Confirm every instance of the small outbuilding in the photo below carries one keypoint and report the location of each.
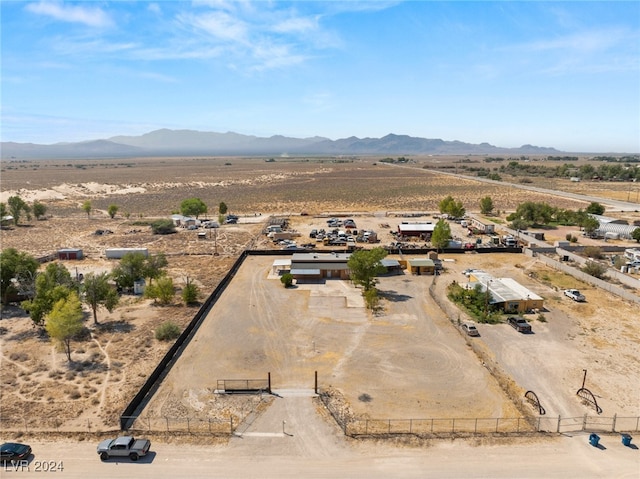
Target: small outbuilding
(69, 253)
(419, 230)
(420, 266)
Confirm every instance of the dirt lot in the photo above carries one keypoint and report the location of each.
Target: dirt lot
(344, 344)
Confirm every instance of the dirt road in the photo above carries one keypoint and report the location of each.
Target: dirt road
(274, 455)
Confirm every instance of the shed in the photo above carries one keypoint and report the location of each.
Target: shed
(422, 230)
(421, 266)
(281, 266)
(392, 266)
(70, 253)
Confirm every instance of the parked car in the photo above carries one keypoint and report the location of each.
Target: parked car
(124, 446)
(520, 324)
(575, 295)
(14, 451)
(313, 233)
(470, 329)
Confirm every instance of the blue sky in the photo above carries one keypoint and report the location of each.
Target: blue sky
(560, 74)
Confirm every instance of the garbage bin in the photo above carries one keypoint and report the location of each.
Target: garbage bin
(626, 439)
(594, 439)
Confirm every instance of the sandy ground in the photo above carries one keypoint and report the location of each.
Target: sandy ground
(110, 365)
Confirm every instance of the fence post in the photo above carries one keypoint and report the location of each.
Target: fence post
(538, 428)
(188, 426)
(475, 427)
(26, 429)
(431, 425)
(497, 422)
(584, 422)
(230, 424)
(453, 425)
(389, 426)
(167, 419)
(366, 426)
(558, 429)
(410, 426)
(613, 426)
(518, 425)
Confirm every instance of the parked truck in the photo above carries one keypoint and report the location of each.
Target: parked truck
(575, 295)
(124, 446)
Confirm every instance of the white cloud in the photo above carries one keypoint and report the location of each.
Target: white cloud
(90, 16)
(218, 24)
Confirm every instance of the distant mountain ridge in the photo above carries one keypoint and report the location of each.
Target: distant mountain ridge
(167, 142)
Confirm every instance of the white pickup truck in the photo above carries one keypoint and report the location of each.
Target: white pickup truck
(575, 295)
(124, 446)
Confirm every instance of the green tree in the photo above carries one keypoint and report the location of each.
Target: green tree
(590, 224)
(287, 280)
(161, 291)
(17, 206)
(636, 234)
(39, 209)
(163, 227)
(486, 205)
(86, 207)
(64, 322)
(222, 208)
(451, 207)
(519, 224)
(154, 266)
(533, 213)
(52, 285)
(3, 210)
(17, 273)
(112, 210)
(193, 207)
(441, 235)
(190, 293)
(365, 265)
(445, 203)
(98, 292)
(130, 269)
(595, 208)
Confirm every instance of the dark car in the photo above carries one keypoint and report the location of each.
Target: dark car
(14, 451)
(519, 324)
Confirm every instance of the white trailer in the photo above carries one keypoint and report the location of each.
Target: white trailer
(118, 253)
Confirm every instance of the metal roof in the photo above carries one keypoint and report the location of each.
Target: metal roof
(320, 257)
(501, 289)
(421, 262)
(426, 227)
(305, 272)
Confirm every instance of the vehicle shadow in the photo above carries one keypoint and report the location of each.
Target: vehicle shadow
(394, 296)
(146, 459)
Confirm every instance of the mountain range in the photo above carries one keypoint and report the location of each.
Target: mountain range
(167, 142)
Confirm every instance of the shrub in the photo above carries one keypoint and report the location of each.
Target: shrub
(595, 269)
(594, 252)
(287, 279)
(163, 227)
(167, 331)
(190, 293)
